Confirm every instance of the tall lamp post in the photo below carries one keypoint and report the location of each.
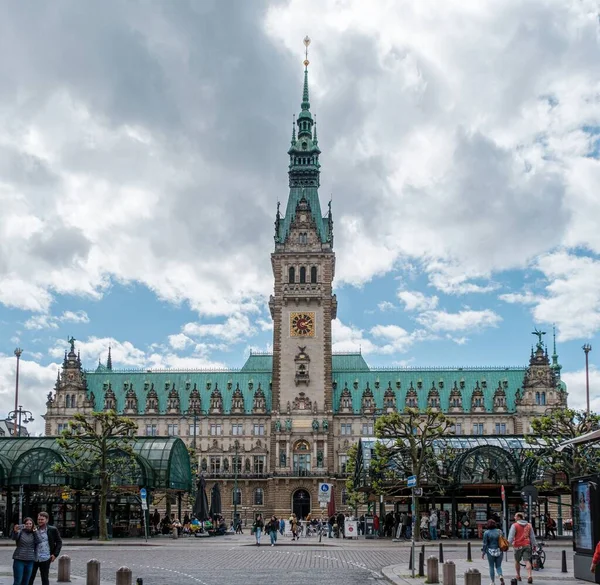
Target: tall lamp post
(235, 483)
(21, 417)
(586, 349)
(18, 353)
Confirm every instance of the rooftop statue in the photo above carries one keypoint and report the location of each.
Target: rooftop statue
(539, 334)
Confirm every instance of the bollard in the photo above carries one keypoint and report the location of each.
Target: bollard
(124, 576)
(421, 565)
(410, 560)
(64, 569)
(564, 562)
(472, 577)
(174, 533)
(514, 581)
(449, 573)
(139, 581)
(93, 572)
(469, 557)
(441, 555)
(423, 550)
(433, 570)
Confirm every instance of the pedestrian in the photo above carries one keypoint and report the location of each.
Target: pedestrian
(522, 537)
(155, 520)
(550, 527)
(27, 540)
(491, 549)
(330, 524)
(465, 523)
(89, 526)
(424, 526)
(258, 528)
(272, 529)
(48, 548)
(595, 558)
(281, 526)
(238, 527)
(294, 526)
(433, 523)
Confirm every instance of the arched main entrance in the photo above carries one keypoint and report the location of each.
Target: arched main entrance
(301, 504)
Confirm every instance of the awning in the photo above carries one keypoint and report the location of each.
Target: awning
(587, 438)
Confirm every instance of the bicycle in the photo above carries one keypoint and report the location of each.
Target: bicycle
(538, 557)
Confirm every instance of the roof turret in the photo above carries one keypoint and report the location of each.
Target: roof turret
(555, 365)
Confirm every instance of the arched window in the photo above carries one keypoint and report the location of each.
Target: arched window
(292, 275)
(313, 274)
(68, 401)
(236, 496)
(259, 495)
(543, 399)
(302, 275)
(537, 398)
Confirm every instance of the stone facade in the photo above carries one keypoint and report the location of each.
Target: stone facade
(284, 422)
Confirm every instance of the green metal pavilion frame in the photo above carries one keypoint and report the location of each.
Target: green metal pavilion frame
(161, 463)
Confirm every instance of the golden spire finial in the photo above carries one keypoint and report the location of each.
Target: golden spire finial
(306, 42)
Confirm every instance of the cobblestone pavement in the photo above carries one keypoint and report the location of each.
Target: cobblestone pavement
(207, 562)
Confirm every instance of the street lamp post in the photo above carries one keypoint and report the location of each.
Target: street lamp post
(586, 349)
(18, 353)
(21, 417)
(235, 483)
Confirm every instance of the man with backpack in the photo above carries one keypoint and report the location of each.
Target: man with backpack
(522, 537)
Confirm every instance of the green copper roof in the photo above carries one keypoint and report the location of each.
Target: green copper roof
(488, 379)
(183, 381)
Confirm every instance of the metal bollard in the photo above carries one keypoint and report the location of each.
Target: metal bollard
(93, 572)
(433, 571)
(441, 555)
(472, 577)
(421, 565)
(124, 576)
(564, 562)
(449, 573)
(64, 569)
(139, 581)
(410, 560)
(469, 557)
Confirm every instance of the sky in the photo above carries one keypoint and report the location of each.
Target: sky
(143, 149)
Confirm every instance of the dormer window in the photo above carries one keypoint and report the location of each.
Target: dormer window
(304, 146)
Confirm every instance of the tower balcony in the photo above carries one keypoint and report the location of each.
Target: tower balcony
(307, 289)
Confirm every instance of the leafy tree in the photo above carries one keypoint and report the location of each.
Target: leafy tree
(549, 431)
(354, 497)
(99, 449)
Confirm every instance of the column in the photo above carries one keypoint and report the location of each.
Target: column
(276, 454)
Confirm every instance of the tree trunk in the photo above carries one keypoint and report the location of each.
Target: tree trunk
(104, 490)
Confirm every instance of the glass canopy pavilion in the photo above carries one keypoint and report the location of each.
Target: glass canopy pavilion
(28, 481)
(473, 470)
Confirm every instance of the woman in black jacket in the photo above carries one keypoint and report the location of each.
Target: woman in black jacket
(27, 540)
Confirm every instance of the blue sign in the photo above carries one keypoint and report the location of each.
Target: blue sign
(143, 493)
(324, 487)
(411, 481)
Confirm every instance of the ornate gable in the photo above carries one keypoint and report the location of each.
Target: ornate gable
(131, 400)
(151, 401)
(346, 400)
(110, 400)
(368, 401)
(259, 405)
(433, 398)
(302, 402)
(500, 399)
(477, 399)
(389, 399)
(173, 402)
(195, 402)
(237, 401)
(216, 401)
(456, 402)
(412, 400)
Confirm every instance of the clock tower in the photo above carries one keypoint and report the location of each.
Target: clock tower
(302, 308)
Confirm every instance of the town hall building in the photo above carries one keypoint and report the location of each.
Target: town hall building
(285, 421)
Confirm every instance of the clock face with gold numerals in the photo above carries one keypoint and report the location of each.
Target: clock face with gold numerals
(302, 324)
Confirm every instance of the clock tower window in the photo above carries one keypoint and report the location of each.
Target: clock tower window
(302, 275)
(313, 275)
(292, 275)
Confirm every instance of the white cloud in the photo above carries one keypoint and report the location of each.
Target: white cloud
(526, 298)
(466, 320)
(384, 306)
(395, 339)
(347, 338)
(124, 353)
(51, 322)
(417, 301)
(35, 382)
(179, 341)
(572, 298)
(235, 328)
(575, 381)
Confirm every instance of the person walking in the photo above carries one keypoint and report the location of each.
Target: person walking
(48, 548)
(272, 529)
(465, 523)
(27, 539)
(550, 527)
(433, 523)
(522, 537)
(258, 528)
(491, 549)
(294, 526)
(89, 526)
(281, 526)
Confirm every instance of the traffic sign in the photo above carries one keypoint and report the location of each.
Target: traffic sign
(325, 493)
(411, 481)
(144, 505)
(530, 491)
(418, 492)
(143, 493)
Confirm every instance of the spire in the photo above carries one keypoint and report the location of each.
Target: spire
(315, 139)
(555, 365)
(109, 360)
(294, 130)
(305, 98)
